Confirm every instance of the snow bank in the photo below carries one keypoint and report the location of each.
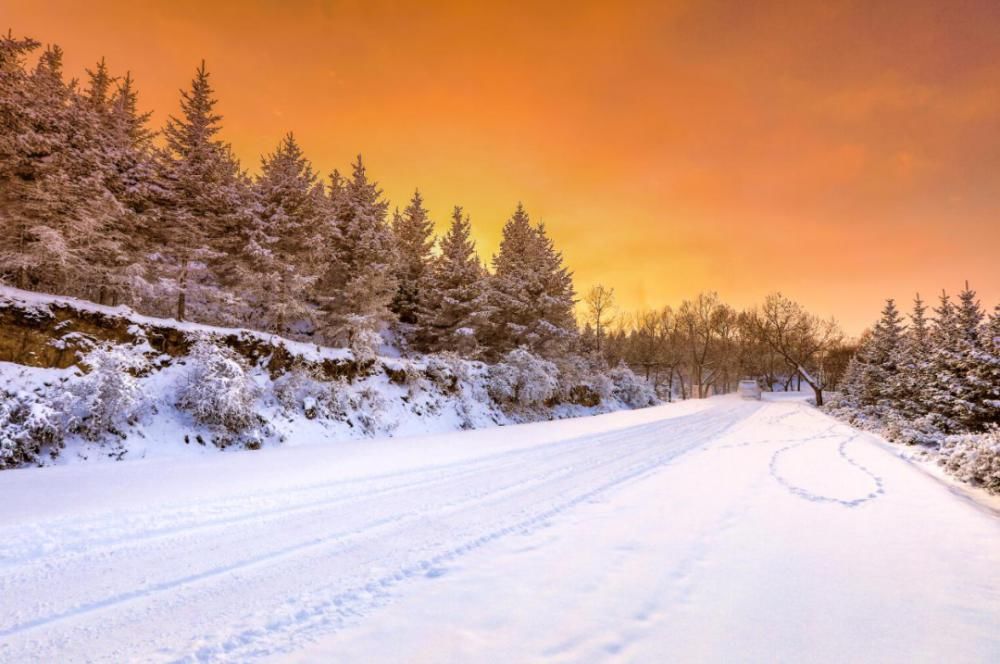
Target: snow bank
(118, 388)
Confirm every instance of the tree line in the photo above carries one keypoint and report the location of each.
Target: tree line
(94, 203)
(929, 377)
(705, 346)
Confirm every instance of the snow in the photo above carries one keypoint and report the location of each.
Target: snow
(714, 530)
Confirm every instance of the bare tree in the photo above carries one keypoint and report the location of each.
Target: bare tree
(696, 318)
(803, 340)
(600, 302)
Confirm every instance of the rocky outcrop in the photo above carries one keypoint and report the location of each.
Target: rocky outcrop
(55, 333)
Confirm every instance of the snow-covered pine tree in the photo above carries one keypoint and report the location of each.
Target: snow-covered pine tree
(941, 381)
(972, 388)
(17, 230)
(130, 175)
(556, 330)
(912, 364)
(283, 240)
(455, 306)
(989, 369)
(414, 238)
(531, 292)
(205, 196)
(121, 148)
(869, 382)
(359, 281)
(54, 206)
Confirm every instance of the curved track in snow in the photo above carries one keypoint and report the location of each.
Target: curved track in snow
(263, 556)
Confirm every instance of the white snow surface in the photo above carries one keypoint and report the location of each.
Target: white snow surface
(717, 530)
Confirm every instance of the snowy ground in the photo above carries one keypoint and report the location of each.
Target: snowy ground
(720, 530)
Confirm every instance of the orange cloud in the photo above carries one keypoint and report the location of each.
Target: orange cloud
(839, 152)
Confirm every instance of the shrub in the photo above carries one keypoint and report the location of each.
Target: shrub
(219, 393)
(27, 424)
(522, 379)
(369, 409)
(630, 389)
(581, 383)
(974, 458)
(108, 397)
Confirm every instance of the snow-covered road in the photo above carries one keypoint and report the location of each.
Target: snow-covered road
(718, 530)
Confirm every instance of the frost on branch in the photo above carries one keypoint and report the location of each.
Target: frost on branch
(108, 398)
(26, 426)
(630, 389)
(522, 379)
(974, 458)
(219, 393)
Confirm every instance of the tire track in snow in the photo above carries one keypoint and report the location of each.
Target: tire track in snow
(334, 612)
(676, 427)
(85, 536)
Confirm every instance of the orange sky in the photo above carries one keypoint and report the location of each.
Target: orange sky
(839, 152)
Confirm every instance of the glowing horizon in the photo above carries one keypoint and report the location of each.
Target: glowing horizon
(841, 155)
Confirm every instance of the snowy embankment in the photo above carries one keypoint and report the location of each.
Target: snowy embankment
(717, 530)
(158, 388)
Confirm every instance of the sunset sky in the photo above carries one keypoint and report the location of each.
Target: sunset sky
(838, 152)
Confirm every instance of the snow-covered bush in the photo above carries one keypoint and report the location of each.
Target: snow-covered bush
(446, 371)
(631, 390)
(27, 424)
(108, 397)
(364, 342)
(464, 380)
(300, 391)
(369, 409)
(974, 458)
(522, 379)
(219, 393)
(580, 383)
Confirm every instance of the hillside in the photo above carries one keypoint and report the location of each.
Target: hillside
(89, 382)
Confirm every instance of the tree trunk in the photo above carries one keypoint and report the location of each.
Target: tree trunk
(182, 292)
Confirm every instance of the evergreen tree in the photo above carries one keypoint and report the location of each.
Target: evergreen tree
(913, 363)
(531, 292)
(454, 309)
(122, 147)
(969, 367)
(989, 368)
(18, 231)
(414, 239)
(359, 281)
(283, 239)
(54, 205)
(869, 381)
(205, 195)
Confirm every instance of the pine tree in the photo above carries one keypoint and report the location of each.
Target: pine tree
(972, 387)
(414, 238)
(944, 340)
(205, 196)
(531, 292)
(989, 368)
(913, 363)
(18, 233)
(454, 309)
(281, 252)
(54, 205)
(121, 148)
(870, 377)
(359, 281)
